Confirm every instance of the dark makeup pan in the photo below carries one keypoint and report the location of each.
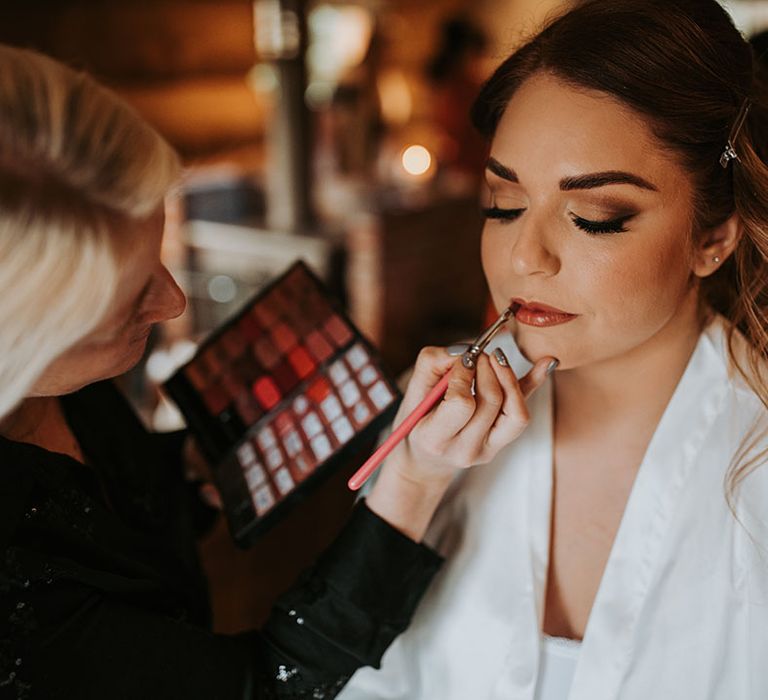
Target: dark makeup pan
(286, 392)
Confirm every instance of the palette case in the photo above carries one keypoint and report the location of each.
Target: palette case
(283, 394)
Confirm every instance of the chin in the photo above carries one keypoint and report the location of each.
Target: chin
(131, 357)
(533, 347)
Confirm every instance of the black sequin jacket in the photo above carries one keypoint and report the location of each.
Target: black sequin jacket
(102, 597)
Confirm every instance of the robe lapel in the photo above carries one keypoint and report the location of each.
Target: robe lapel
(610, 635)
(526, 595)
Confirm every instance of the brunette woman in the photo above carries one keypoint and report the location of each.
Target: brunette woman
(619, 548)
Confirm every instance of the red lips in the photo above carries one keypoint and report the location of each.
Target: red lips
(534, 313)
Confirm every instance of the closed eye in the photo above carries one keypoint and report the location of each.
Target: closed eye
(607, 226)
(601, 227)
(502, 214)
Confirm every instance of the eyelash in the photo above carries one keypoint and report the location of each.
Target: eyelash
(592, 227)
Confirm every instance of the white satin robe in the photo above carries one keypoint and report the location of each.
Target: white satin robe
(682, 608)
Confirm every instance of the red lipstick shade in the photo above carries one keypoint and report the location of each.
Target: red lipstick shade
(534, 313)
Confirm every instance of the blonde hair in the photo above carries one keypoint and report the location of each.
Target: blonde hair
(74, 160)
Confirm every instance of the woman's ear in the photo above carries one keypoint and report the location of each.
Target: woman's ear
(714, 245)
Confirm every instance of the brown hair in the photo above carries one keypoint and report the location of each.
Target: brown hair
(687, 70)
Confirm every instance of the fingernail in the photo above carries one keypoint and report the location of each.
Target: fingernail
(456, 350)
(501, 358)
(210, 495)
(552, 366)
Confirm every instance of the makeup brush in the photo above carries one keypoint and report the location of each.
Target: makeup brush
(469, 360)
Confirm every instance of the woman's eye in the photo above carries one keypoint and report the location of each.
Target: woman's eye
(597, 227)
(502, 214)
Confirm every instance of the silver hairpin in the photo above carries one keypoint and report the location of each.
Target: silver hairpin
(729, 152)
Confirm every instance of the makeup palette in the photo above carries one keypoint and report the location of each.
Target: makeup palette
(285, 392)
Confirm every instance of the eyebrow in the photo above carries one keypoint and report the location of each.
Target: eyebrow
(579, 182)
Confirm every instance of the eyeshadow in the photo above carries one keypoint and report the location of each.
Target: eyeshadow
(303, 465)
(197, 376)
(302, 362)
(266, 392)
(367, 375)
(284, 376)
(319, 346)
(216, 399)
(233, 344)
(361, 414)
(280, 396)
(300, 405)
(349, 393)
(321, 446)
(284, 481)
(266, 352)
(246, 454)
(265, 438)
(303, 325)
(316, 305)
(292, 443)
(273, 458)
(319, 390)
(255, 476)
(211, 359)
(283, 422)
(338, 372)
(312, 425)
(263, 499)
(337, 330)
(380, 395)
(230, 384)
(247, 408)
(356, 356)
(249, 328)
(283, 337)
(331, 407)
(265, 313)
(343, 429)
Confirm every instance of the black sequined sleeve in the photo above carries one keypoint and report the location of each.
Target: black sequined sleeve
(348, 610)
(342, 615)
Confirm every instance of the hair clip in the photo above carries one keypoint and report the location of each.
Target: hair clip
(729, 152)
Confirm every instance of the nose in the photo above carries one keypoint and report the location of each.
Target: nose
(164, 299)
(532, 252)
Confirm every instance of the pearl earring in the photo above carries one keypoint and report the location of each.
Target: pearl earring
(716, 259)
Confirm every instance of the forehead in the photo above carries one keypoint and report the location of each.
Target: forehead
(551, 126)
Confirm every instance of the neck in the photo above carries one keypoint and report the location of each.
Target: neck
(24, 424)
(634, 387)
(40, 421)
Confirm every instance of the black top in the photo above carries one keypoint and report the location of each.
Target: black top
(102, 596)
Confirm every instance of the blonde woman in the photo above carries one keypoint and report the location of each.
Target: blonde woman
(101, 595)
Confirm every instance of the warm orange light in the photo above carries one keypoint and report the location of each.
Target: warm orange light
(417, 160)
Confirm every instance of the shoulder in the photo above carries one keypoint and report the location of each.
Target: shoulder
(20, 467)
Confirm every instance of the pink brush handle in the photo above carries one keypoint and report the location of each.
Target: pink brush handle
(399, 433)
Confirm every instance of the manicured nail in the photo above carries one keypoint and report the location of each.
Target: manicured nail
(456, 350)
(501, 358)
(552, 366)
(210, 495)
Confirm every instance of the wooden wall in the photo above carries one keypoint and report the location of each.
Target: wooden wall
(182, 63)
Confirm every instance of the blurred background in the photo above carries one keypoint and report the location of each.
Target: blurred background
(335, 132)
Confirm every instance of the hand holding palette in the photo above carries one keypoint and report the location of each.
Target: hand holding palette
(279, 396)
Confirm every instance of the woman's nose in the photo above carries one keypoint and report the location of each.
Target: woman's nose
(532, 252)
(165, 300)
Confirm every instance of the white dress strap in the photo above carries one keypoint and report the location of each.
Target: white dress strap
(557, 667)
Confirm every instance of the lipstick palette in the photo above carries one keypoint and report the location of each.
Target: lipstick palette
(280, 396)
